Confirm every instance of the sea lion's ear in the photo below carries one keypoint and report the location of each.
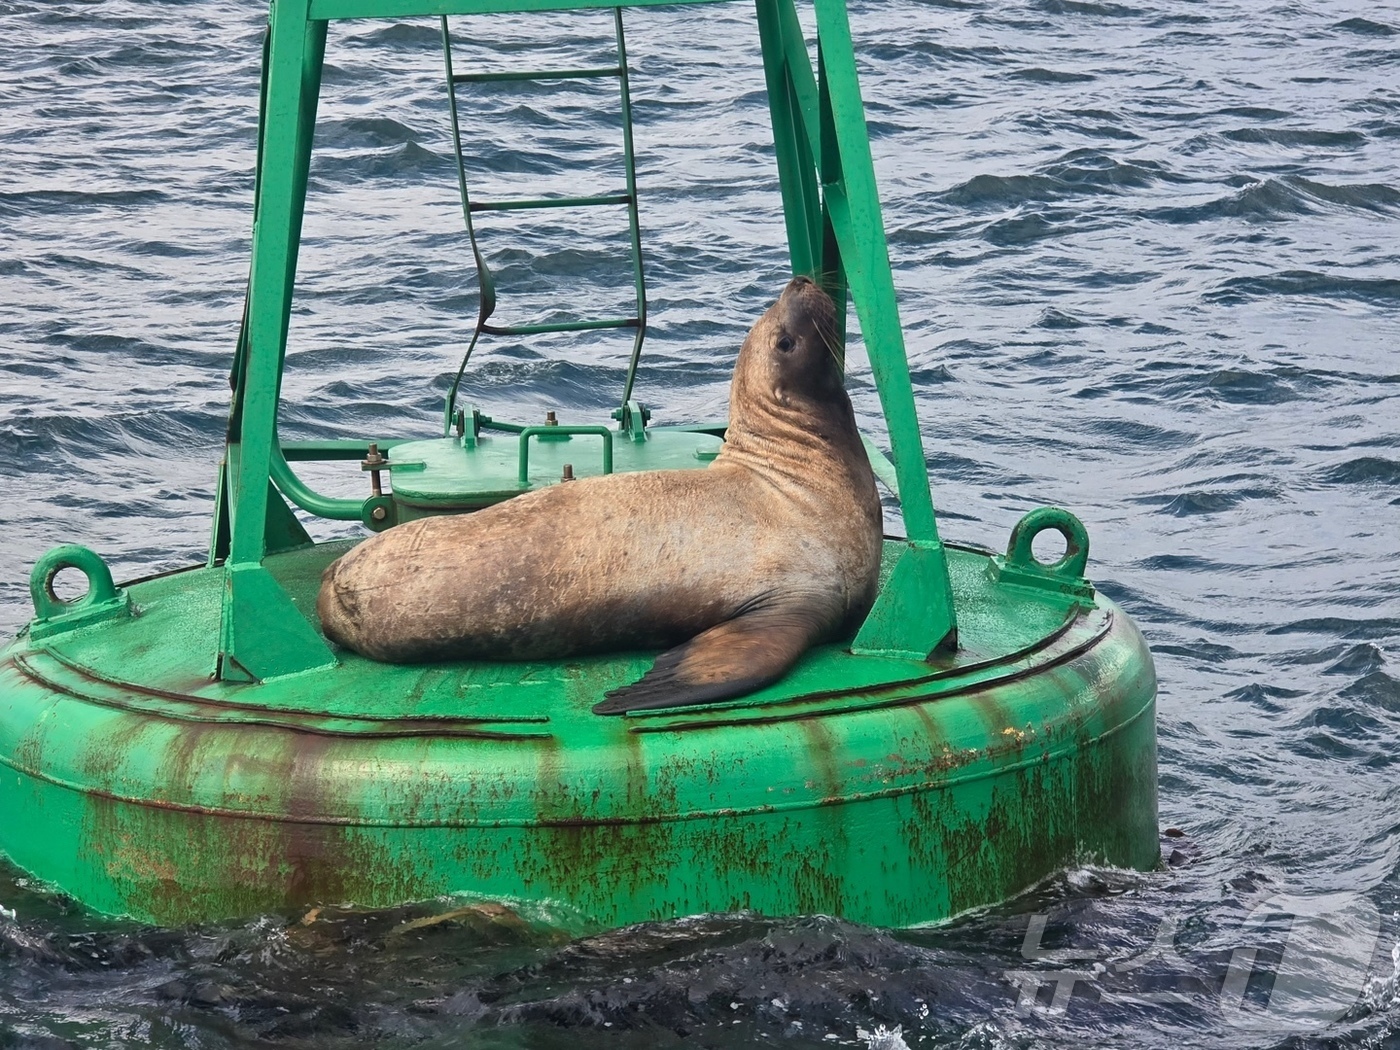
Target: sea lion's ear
(729, 660)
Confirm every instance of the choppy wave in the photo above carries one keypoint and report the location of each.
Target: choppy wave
(1148, 267)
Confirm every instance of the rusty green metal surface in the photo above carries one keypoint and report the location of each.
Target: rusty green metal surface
(883, 789)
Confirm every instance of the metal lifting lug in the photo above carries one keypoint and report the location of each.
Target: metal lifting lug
(103, 599)
(1019, 567)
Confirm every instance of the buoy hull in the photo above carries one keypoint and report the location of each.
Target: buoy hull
(894, 802)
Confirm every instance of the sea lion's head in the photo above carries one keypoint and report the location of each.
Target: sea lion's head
(790, 418)
(792, 356)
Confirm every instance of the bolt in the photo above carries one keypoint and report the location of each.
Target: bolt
(379, 514)
(372, 460)
(568, 472)
(550, 420)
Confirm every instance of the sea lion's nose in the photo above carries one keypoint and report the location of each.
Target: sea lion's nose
(797, 285)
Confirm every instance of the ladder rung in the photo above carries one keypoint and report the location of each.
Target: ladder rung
(563, 326)
(552, 202)
(538, 74)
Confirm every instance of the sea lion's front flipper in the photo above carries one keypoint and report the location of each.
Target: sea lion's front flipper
(729, 660)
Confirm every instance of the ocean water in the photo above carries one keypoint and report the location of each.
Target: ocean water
(1148, 256)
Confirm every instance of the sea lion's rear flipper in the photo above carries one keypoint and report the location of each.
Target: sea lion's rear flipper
(729, 660)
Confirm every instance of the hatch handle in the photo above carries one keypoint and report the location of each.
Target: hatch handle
(554, 431)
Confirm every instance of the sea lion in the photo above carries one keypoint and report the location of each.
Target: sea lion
(741, 566)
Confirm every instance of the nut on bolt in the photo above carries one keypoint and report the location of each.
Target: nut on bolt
(373, 460)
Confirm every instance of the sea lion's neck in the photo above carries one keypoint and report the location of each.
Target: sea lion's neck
(789, 414)
(810, 439)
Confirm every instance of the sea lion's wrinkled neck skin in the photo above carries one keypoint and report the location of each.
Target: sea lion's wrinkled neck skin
(740, 567)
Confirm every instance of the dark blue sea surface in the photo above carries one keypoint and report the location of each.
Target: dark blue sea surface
(1148, 256)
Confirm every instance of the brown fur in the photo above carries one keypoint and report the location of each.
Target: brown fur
(772, 548)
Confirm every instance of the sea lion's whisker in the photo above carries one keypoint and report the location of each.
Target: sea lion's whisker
(832, 344)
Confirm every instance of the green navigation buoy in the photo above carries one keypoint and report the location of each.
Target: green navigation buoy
(188, 746)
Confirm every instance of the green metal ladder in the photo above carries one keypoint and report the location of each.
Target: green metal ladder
(632, 415)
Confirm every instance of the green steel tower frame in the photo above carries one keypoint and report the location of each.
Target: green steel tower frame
(835, 233)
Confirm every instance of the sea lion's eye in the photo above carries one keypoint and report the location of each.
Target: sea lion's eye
(785, 344)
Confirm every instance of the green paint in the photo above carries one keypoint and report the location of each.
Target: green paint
(912, 617)
(102, 600)
(189, 746)
(555, 432)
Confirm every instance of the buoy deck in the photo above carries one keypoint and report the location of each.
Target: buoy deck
(164, 655)
(886, 790)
